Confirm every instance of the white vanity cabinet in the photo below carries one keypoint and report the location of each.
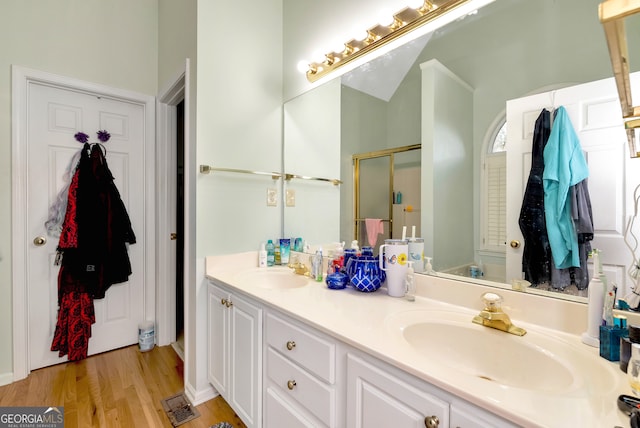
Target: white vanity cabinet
(302, 375)
(379, 396)
(235, 352)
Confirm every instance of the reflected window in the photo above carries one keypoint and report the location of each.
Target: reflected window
(499, 140)
(494, 191)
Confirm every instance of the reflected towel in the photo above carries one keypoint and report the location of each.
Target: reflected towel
(374, 228)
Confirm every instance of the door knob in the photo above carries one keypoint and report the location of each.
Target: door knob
(173, 236)
(39, 241)
(515, 243)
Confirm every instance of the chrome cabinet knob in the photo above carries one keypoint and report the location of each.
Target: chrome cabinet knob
(290, 345)
(431, 421)
(39, 241)
(291, 384)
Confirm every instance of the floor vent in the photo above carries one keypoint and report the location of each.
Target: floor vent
(179, 409)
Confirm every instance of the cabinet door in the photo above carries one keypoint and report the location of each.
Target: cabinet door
(376, 398)
(218, 320)
(245, 349)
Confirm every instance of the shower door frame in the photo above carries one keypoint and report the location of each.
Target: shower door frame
(356, 159)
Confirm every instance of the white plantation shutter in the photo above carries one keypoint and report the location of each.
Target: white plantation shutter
(494, 202)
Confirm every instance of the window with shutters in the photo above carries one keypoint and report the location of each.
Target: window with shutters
(494, 192)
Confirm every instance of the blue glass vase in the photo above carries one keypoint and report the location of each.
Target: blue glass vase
(365, 275)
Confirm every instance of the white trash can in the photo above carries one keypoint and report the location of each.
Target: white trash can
(146, 336)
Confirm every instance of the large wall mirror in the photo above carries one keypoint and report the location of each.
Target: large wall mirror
(507, 50)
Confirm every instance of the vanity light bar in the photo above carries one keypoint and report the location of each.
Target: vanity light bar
(404, 21)
(612, 14)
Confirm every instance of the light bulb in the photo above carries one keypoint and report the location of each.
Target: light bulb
(415, 4)
(385, 18)
(318, 57)
(338, 47)
(360, 35)
(303, 66)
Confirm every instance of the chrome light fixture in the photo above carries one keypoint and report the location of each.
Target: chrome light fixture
(409, 23)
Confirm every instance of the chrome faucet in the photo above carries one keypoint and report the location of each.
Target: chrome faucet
(493, 316)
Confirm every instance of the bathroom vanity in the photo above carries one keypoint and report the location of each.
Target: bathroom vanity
(287, 351)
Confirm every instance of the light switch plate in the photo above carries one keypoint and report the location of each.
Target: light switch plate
(291, 198)
(272, 197)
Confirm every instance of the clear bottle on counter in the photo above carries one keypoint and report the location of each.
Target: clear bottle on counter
(271, 253)
(316, 265)
(410, 293)
(633, 369)
(278, 261)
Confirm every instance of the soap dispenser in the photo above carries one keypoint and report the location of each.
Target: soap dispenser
(428, 268)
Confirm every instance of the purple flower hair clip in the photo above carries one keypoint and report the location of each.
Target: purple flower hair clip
(81, 137)
(103, 136)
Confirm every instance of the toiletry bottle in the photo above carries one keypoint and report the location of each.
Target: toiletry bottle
(633, 369)
(277, 253)
(428, 268)
(595, 305)
(410, 293)
(354, 245)
(316, 265)
(285, 251)
(337, 261)
(262, 256)
(271, 253)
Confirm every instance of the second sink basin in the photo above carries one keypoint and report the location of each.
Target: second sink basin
(532, 362)
(272, 278)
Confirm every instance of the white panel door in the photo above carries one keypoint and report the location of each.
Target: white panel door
(594, 111)
(54, 116)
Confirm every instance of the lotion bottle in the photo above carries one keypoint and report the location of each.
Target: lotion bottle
(262, 256)
(596, 292)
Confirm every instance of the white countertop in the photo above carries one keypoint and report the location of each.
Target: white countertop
(361, 320)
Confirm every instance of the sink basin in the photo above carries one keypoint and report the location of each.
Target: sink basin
(272, 278)
(535, 361)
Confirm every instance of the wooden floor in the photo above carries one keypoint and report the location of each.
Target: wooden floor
(121, 388)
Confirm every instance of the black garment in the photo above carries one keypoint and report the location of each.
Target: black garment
(104, 228)
(536, 257)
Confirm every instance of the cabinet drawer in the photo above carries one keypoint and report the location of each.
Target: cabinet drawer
(312, 352)
(280, 413)
(315, 396)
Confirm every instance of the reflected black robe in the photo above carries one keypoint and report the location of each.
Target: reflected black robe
(536, 257)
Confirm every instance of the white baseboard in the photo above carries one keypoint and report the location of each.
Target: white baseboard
(6, 378)
(199, 397)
